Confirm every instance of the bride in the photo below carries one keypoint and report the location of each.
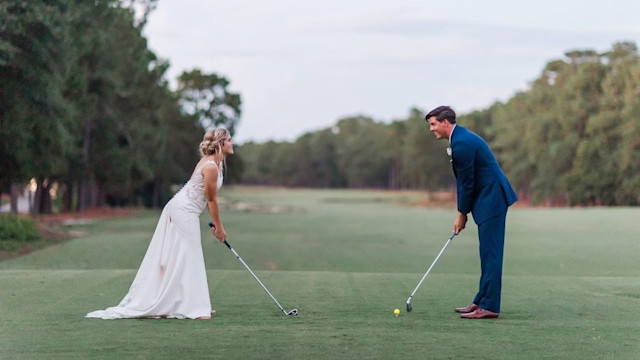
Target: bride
(172, 280)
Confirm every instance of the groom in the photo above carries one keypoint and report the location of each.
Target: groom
(483, 190)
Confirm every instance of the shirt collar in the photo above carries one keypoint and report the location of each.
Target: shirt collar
(451, 134)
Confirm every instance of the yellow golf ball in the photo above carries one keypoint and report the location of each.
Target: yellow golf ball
(396, 312)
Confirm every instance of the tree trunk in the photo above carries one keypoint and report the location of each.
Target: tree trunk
(35, 209)
(97, 195)
(42, 201)
(14, 198)
(84, 191)
(155, 202)
(90, 195)
(83, 196)
(394, 182)
(45, 204)
(67, 198)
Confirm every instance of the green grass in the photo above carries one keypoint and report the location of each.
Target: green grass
(345, 259)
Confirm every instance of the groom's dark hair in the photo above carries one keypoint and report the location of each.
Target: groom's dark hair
(442, 113)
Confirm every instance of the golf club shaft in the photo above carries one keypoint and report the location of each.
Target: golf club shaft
(430, 267)
(254, 276)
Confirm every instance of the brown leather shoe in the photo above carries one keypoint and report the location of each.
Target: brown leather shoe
(480, 313)
(468, 309)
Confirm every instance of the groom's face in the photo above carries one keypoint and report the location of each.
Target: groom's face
(438, 128)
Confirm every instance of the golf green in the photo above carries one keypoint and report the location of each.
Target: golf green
(345, 259)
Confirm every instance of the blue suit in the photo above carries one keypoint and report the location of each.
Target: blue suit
(483, 190)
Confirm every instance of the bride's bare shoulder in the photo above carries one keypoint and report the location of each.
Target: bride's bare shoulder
(209, 168)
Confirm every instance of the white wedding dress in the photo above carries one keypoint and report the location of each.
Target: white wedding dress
(171, 281)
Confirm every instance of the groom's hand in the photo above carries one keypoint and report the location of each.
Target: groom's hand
(460, 223)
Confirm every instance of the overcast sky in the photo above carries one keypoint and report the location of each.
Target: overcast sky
(302, 65)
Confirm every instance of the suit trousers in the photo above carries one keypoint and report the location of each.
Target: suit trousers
(491, 238)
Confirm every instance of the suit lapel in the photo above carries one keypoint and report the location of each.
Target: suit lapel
(454, 135)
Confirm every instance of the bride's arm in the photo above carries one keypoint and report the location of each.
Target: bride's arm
(210, 175)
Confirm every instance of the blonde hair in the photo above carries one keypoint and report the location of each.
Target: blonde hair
(212, 142)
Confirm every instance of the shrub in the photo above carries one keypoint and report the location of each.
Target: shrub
(18, 228)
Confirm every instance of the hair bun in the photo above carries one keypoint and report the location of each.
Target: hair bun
(212, 141)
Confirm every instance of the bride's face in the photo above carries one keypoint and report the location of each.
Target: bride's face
(227, 146)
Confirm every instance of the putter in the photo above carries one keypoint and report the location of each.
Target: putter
(409, 307)
(293, 312)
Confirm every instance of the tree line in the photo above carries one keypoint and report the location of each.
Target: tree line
(86, 110)
(357, 152)
(572, 138)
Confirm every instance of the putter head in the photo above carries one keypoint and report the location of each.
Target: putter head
(409, 307)
(293, 312)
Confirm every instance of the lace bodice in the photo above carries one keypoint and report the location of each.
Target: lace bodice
(193, 190)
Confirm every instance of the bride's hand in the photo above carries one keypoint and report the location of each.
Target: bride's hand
(219, 233)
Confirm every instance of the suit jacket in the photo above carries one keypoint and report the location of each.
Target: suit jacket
(482, 187)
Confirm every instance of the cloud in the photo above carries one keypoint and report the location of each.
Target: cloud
(302, 65)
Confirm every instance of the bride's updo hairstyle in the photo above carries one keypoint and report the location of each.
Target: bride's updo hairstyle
(212, 142)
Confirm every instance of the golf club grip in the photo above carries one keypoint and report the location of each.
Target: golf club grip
(225, 240)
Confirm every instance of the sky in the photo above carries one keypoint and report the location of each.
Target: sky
(302, 65)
